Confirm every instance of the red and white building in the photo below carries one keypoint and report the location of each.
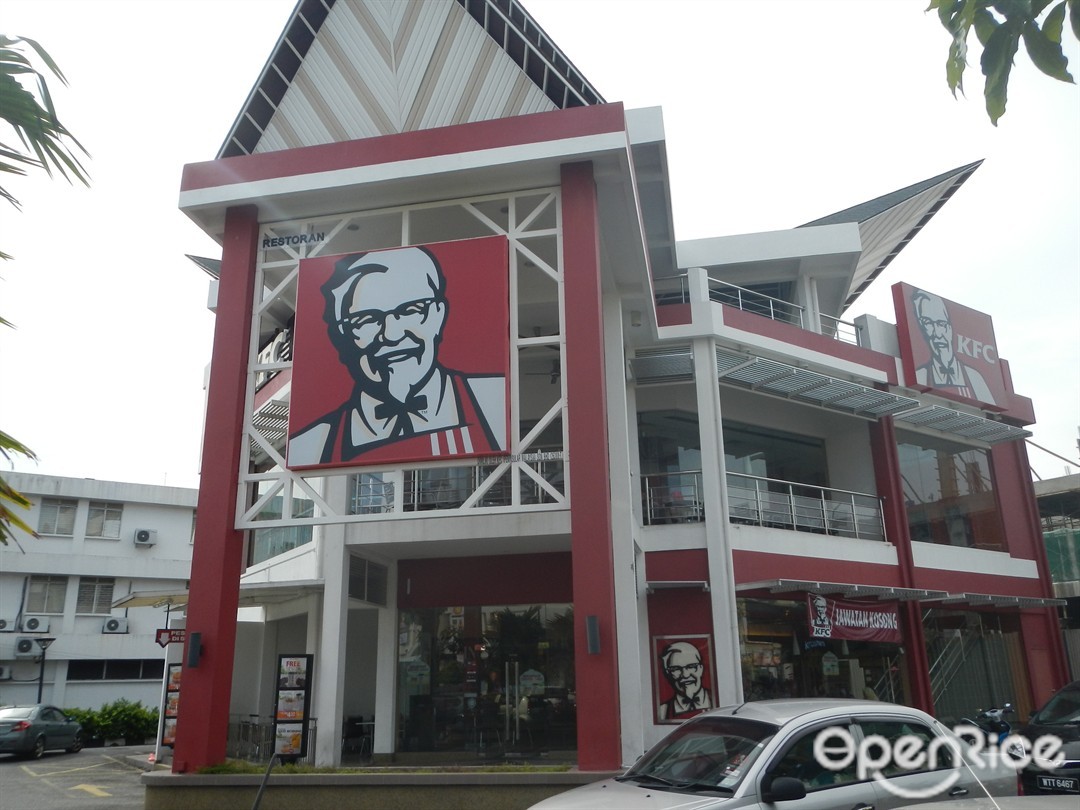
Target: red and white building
(692, 441)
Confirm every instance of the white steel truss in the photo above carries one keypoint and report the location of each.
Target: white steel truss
(535, 474)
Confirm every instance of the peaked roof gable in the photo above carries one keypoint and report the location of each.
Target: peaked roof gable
(888, 223)
(351, 69)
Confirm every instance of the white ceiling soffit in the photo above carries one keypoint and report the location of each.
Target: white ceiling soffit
(849, 590)
(888, 223)
(351, 69)
(675, 364)
(963, 424)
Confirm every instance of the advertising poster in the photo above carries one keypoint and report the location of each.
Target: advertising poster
(292, 705)
(948, 348)
(683, 676)
(172, 705)
(401, 355)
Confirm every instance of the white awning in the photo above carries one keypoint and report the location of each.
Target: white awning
(846, 589)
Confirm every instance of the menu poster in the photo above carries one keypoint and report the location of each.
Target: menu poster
(292, 705)
(172, 705)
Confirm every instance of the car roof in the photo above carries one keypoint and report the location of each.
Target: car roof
(781, 711)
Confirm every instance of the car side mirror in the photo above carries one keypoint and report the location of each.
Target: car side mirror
(783, 789)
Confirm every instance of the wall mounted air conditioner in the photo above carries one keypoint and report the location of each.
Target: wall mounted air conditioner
(7, 625)
(5, 673)
(35, 624)
(115, 624)
(145, 537)
(26, 648)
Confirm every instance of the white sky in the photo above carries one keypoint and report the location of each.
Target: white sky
(777, 112)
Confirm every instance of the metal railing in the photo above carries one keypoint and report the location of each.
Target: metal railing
(677, 498)
(791, 505)
(676, 290)
(758, 303)
(251, 738)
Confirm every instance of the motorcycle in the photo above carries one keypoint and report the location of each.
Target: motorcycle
(992, 722)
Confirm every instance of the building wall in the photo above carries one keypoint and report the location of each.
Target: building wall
(164, 566)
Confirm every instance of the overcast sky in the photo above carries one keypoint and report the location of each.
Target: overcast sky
(776, 112)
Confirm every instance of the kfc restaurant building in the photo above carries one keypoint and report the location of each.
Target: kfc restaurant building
(523, 473)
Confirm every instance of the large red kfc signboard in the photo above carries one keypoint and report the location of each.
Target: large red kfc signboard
(401, 355)
(948, 349)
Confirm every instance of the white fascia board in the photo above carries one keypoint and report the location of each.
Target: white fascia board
(645, 125)
(793, 243)
(357, 176)
(939, 557)
(765, 540)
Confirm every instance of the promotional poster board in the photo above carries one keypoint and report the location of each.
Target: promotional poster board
(683, 677)
(292, 705)
(171, 709)
(401, 355)
(853, 621)
(948, 348)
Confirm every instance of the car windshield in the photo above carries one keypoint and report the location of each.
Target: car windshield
(708, 752)
(16, 711)
(1062, 709)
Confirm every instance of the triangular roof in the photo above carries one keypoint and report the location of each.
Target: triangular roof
(888, 223)
(351, 69)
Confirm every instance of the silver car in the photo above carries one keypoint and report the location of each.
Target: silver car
(810, 754)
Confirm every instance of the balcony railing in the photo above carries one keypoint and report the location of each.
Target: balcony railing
(676, 290)
(676, 498)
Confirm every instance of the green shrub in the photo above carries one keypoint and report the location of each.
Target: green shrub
(125, 719)
(87, 718)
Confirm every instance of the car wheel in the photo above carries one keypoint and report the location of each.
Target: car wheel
(76, 744)
(39, 748)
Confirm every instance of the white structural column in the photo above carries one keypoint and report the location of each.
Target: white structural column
(624, 495)
(331, 653)
(386, 664)
(809, 298)
(721, 568)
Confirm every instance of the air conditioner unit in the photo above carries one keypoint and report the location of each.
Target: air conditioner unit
(115, 624)
(26, 648)
(7, 625)
(145, 537)
(5, 673)
(35, 624)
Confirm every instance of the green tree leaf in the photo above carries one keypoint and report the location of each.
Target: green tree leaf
(997, 62)
(1046, 54)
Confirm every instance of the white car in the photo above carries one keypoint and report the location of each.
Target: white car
(803, 754)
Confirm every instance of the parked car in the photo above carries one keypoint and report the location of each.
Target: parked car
(1060, 717)
(31, 730)
(760, 753)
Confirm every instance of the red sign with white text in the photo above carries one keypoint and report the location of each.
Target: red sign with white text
(853, 621)
(948, 349)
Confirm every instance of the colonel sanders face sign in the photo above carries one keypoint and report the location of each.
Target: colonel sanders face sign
(386, 315)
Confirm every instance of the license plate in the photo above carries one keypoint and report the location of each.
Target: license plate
(1067, 783)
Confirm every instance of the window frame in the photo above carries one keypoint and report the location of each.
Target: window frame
(50, 582)
(98, 583)
(59, 506)
(104, 509)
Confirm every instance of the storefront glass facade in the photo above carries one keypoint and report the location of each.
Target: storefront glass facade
(487, 680)
(781, 658)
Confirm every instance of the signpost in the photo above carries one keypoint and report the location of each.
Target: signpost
(165, 636)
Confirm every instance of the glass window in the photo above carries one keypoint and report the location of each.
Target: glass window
(104, 520)
(800, 763)
(769, 453)
(372, 493)
(367, 581)
(938, 757)
(130, 669)
(95, 595)
(949, 492)
(57, 516)
(46, 594)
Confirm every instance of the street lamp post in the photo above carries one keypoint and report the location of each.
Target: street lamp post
(44, 644)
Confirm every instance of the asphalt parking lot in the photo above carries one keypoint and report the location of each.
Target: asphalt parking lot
(105, 778)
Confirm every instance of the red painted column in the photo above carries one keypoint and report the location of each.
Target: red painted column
(890, 488)
(597, 673)
(1048, 667)
(217, 559)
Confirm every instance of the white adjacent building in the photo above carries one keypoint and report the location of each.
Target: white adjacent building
(99, 541)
